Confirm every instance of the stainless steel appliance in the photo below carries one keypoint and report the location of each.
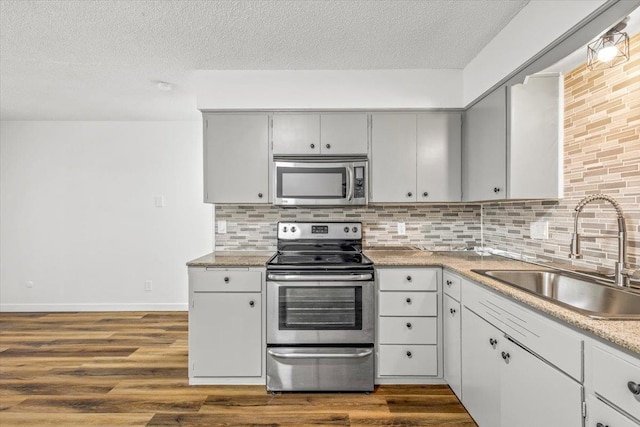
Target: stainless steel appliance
(326, 181)
(320, 309)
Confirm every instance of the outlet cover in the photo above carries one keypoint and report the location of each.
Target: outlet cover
(222, 227)
(402, 230)
(539, 230)
(148, 286)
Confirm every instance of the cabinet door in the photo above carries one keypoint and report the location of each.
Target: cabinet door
(225, 334)
(296, 133)
(452, 354)
(232, 140)
(439, 157)
(344, 133)
(393, 158)
(534, 393)
(481, 369)
(485, 148)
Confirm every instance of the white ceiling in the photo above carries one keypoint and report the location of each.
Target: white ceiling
(98, 60)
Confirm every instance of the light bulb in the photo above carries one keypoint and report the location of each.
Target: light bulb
(607, 53)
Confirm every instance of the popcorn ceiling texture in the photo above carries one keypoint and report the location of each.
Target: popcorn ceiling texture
(602, 155)
(437, 227)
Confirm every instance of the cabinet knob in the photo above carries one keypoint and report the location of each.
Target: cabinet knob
(449, 283)
(506, 356)
(409, 355)
(492, 341)
(226, 279)
(409, 194)
(312, 145)
(259, 195)
(452, 310)
(409, 278)
(602, 425)
(634, 388)
(409, 325)
(328, 146)
(252, 304)
(496, 189)
(425, 194)
(408, 300)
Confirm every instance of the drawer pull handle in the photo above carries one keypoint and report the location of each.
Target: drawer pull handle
(506, 356)
(252, 304)
(602, 425)
(452, 310)
(408, 300)
(409, 355)
(409, 194)
(493, 342)
(634, 388)
(226, 280)
(409, 326)
(312, 146)
(449, 283)
(409, 278)
(328, 146)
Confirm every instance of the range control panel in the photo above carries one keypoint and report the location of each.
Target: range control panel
(320, 230)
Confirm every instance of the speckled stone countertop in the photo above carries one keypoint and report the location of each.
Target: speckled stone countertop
(624, 333)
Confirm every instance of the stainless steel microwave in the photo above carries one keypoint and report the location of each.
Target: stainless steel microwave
(320, 181)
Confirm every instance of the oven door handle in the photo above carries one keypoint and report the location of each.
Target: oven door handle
(321, 277)
(354, 355)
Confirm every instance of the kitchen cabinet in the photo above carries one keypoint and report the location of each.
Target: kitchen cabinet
(408, 325)
(415, 157)
(452, 325)
(232, 139)
(320, 134)
(226, 326)
(512, 143)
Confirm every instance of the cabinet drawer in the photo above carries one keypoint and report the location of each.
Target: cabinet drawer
(408, 330)
(600, 414)
(407, 360)
(408, 279)
(611, 375)
(408, 304)
(203, 280)
(451, 285)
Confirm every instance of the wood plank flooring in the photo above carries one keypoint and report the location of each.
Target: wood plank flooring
(130, 369)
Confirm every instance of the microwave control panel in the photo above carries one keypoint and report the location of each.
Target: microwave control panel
(358, 187)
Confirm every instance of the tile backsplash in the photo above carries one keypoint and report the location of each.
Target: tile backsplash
(438, 227)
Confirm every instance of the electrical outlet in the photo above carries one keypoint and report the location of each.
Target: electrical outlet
(222, 227)
(159, 201)
(148, 286)
(539, 230)
(402, 230)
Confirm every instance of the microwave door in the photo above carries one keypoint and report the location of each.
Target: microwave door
(309, 184)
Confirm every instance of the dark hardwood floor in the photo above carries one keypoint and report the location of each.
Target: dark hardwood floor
(130, 369)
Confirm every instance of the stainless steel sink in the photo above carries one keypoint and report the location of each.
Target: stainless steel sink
(599, 301)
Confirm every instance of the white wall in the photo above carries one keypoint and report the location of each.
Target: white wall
(78, 218)
(338, 89)
(536, 26)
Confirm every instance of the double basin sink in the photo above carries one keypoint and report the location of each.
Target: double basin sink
(585, 296)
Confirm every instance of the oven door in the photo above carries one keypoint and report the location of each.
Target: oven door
(320, 312)
(319, 183)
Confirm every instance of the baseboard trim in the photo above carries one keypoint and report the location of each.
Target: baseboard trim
(14, 308)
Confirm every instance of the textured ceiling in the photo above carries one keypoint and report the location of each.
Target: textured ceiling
(96, 60)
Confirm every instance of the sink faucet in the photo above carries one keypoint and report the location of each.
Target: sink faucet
(622, 275)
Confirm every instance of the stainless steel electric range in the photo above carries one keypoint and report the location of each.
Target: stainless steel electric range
(320, 309)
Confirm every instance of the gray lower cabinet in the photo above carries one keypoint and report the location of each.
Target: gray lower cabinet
(226, 326)
(236, 157)
(451, 339)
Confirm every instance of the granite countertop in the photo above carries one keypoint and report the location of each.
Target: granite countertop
(624, 333)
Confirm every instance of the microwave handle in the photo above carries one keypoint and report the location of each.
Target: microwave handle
(350, 181)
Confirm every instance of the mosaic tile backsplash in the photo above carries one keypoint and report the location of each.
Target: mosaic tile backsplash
(437, 227)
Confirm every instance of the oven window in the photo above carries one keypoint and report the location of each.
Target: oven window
(312, 183)
(326, 307)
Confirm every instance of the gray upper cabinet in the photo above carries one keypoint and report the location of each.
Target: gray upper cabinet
(231, 140)
(393, 161)
(296, 134)
(344, 133)
(485, 142)
(415, 157)
(324, 134)
(513, 142)
(439, 156)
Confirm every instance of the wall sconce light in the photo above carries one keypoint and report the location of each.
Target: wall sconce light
(610, 49)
